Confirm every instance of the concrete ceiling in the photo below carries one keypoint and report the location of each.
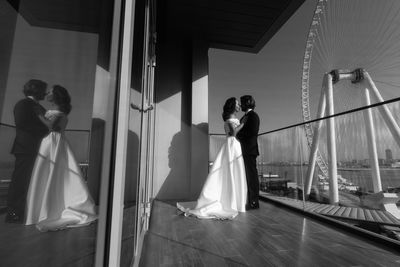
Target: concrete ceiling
(74, 15)
(244, 25)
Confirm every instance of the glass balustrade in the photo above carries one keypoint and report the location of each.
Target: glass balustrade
(79, 141)
(355, 180)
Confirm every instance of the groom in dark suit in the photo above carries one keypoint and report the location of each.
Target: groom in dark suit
(29, 134)
(248, 140)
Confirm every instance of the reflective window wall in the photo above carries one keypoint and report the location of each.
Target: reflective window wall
(61, 82)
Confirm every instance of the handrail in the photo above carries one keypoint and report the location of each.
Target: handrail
(8, 125)
(84, 164)
(77, 130)
(67, 130)
(335, 115)
(327, 117)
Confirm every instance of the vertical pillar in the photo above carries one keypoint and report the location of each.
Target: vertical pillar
(199, 119)
(315, 141)
(8, 20)
(121, 135)
(373, 155)
(104, 96)
(333, 184)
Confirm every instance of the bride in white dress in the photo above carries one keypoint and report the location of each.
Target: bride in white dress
(58, 197)
(224, 193)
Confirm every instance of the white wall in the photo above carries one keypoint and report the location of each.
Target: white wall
(181, 134)
(171, 170)
(56, 56)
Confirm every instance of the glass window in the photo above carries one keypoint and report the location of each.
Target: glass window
(54, 109)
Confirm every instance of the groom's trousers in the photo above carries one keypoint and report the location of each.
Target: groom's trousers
(19, 185)
(252, 178)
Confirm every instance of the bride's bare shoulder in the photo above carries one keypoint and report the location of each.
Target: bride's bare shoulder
(53, 114)
(233, 121)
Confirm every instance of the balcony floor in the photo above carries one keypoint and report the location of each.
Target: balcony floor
(270, 236)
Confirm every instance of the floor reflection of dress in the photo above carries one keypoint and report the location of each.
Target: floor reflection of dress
(225, 191)
(58, 196)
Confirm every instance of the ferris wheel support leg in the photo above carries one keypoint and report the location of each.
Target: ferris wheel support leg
(315, 141)
(371, 139)
(333, 184)
(384, 110)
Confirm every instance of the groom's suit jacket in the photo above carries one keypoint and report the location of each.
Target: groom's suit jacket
(248, 134)
(29, 129)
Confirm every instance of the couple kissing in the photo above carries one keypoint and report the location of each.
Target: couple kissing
(47, 188)
(232, 184)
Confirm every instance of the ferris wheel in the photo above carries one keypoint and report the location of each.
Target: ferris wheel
(351, 60)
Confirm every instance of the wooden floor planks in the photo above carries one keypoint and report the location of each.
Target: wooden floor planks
(351, 213)
(270, 236)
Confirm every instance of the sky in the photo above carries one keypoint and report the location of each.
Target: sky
(273, 76)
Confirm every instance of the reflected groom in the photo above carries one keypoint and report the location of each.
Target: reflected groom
(29, 134)
(248, 140)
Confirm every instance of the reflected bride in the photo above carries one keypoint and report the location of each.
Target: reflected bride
(224, 193)
(58, 197)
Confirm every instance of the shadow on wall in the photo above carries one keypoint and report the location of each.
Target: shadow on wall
(199, 158)
(179, 185)
(132, 165)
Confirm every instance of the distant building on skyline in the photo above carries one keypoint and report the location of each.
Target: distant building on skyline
(389, 155)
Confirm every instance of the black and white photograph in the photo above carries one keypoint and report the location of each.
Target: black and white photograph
(199, 133)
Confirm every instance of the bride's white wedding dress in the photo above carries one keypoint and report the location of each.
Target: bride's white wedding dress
(224, 193)
(58, 196)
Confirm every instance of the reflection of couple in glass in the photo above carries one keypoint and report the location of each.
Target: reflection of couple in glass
(47, 188)
(232, 184)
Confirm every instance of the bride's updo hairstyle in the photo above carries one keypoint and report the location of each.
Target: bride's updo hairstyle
(61, 98)
(229, 108)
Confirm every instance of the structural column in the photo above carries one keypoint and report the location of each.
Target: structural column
(315, 141)
(8, 20)
(373, 154)
(199, 118)
(333, 183)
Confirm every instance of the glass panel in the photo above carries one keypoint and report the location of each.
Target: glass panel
(364, 189)
(51, 154)
(355, 161)
(281, 163)
(131, 183)
(146, 157)
(139, 147)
